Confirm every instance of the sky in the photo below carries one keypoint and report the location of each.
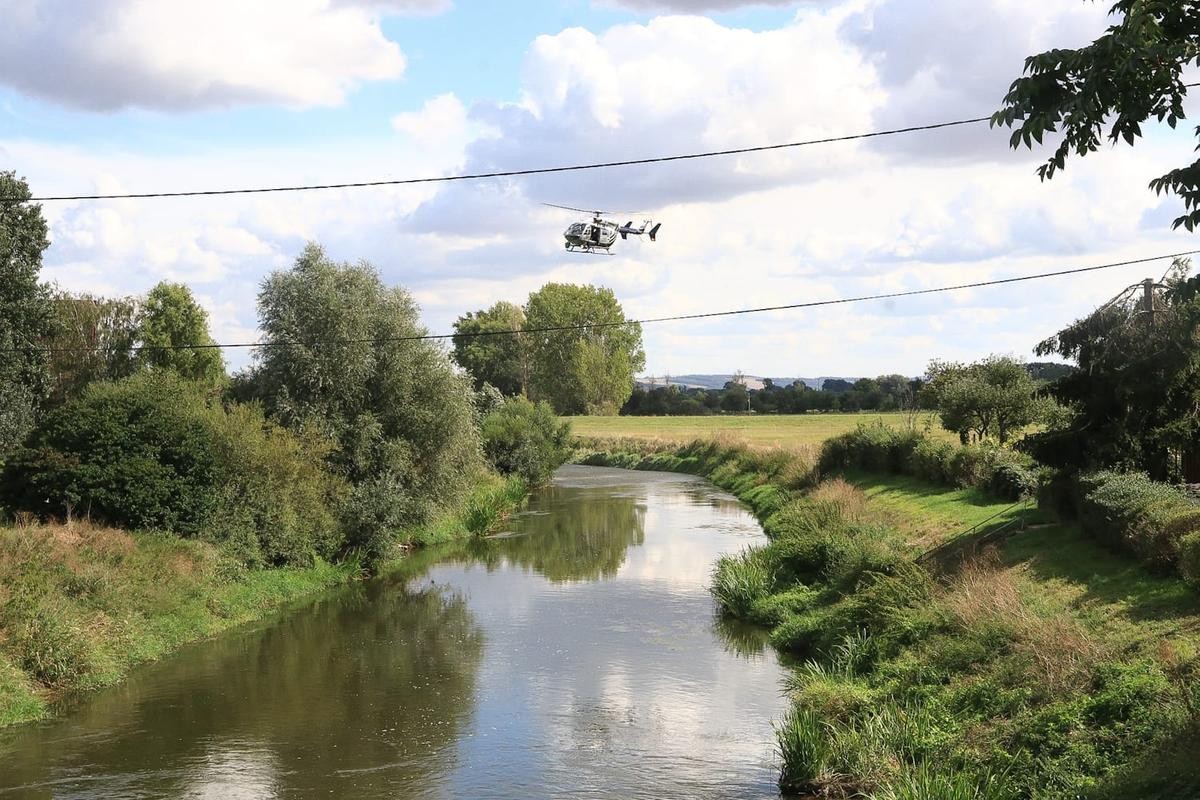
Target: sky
(119, 96)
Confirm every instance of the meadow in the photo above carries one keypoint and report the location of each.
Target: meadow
(773, 430)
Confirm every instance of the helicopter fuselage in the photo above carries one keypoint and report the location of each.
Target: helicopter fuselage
(591, 236)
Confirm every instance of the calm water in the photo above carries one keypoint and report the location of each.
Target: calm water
(574, 656)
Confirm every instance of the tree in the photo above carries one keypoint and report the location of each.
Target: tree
(352, 367)
(1132, 73)
(172, 331)
(1136, 395)
(582, 371)
(26, 313)
(990, 399)
(93, 341)
(501, 359)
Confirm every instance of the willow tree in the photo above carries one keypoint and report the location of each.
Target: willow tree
(347, 360)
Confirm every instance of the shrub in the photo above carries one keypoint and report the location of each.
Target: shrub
(158, 452)
(526, 439)
(876, 447)
(1189, 559)
(138, 453)
(275, 496)
(1130, 512)
(930, 461)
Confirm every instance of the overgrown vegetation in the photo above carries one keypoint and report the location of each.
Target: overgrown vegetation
(349, 441)
(1040, 666)
(525, 439)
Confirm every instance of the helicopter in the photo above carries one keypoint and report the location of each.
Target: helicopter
(600, 234)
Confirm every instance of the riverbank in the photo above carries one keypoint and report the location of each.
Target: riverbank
(81, 604)
(949, 650)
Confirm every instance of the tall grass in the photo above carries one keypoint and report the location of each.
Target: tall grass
(924, 782)
(739, 581)
(802, 741)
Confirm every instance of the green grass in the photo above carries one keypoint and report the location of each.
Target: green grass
(933, 515)
(769, 430)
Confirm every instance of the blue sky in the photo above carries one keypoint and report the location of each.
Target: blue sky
(126, 95)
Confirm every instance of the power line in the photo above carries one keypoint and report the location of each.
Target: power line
(507, 173)
(517, 172)
(604, 325)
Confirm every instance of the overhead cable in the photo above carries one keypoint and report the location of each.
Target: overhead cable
(504, 173)
(605, 325)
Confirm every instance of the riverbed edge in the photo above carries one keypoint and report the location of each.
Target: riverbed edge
(169, 592)
(766, 478)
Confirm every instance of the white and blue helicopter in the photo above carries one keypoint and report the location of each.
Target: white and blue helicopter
(601, 234)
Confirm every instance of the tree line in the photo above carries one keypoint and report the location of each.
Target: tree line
(346, 431)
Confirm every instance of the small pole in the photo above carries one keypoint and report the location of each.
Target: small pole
(1148, 298)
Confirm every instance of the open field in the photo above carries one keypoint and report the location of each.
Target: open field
(791, 430)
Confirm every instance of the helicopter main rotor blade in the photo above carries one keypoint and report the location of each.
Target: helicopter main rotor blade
(580, 210)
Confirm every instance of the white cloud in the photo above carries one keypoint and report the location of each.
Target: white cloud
(402, 7)
(175, 55)
(691, 6)
(816, 223)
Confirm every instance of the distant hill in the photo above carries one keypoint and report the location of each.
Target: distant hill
(710, 381)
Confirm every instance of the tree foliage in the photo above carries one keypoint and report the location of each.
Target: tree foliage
(990, 399)
(93, 341)
(1130, 74)
(172, 331)
(501, 360)
(588, 371)
(1136, 395)
(157, 451)
(526, 439)
(401, 417)
(26, 312)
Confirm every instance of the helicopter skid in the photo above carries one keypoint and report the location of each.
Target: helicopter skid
(589, 251)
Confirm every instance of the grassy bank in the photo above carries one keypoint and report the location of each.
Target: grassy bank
(81, 605)
(786, 431)
(946, 650)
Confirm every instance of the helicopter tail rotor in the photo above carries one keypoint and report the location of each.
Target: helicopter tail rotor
(654, 232)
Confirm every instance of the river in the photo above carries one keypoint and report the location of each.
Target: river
(574, 655)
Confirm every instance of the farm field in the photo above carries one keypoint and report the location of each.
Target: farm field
(791, 430)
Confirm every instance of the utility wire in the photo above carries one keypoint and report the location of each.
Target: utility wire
(507, 173)
(516, 172)
(604, 325)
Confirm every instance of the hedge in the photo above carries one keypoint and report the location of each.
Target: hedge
(880, 448)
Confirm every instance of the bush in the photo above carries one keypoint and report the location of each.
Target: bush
(1130, 512)
(275, 496)
(139, 453)
(526, 439)
(158, 452)
(878, 448)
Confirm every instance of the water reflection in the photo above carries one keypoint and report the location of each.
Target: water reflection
(578, 657)
(571, 535)
(362, 692)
